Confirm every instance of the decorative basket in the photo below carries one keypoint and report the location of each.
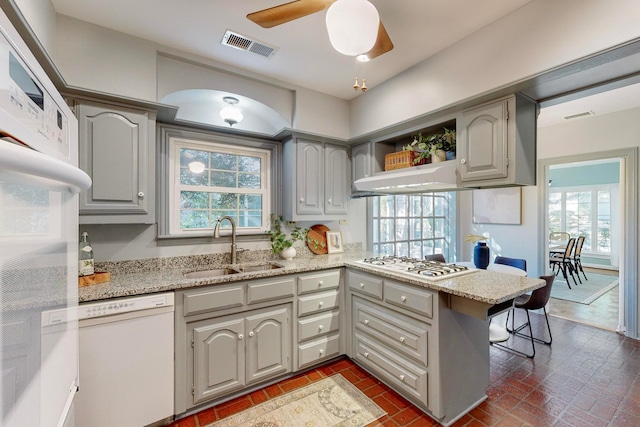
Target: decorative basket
(401, 160)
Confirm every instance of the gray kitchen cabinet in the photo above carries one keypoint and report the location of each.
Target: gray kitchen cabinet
(403, 335)
(232, 352)
(496, 143)
(231, 336)
(318, 317)
(315, 180)
(360, 162)
(117, 149)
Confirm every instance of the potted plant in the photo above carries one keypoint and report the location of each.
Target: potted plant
(437, 147)
(280, 243)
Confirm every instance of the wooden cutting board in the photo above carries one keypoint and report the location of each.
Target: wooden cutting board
(318, 233)
(93, 279)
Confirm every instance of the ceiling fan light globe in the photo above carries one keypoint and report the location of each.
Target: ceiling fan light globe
(352, 26)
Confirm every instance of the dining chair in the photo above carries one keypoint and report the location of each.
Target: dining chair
(537, 300)
(435, 257)
(577, 262)
(513, 262)
(564, 263)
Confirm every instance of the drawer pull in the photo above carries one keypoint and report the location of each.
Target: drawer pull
(401, 377)
(321, 282)
(321, 327)
(401, 339)
(366, 354)
(240, 336)
(321, 352)
(321, 303)
(403, 298)
(251, 334)
(366, 322)
(362, 285)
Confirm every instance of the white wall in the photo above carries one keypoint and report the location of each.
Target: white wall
(538, 37)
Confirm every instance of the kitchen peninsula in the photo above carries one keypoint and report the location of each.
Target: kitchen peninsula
(429, 340)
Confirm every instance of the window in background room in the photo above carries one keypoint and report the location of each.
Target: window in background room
(210, 180)
(413, 225)
(583, 212)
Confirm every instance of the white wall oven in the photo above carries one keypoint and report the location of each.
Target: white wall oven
(39, 182)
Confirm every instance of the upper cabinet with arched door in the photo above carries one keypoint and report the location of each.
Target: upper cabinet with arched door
(497, 143)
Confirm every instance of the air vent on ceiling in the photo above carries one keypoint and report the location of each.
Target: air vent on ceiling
(241, 42)
(575, 116)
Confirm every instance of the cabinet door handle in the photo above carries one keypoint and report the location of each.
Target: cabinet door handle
(328, 200)
(240, 336)
(251, 334)
(321, 282)
(366, 354)
(463, 161)
(321, 352)
(321, 303)
(403, 298)
(321, 327)
(362, 285)
(401, 377)
(366, 322)
(401, 339)
(301, 199)
(141, 195)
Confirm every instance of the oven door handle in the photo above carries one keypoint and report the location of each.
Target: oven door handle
(20, 159)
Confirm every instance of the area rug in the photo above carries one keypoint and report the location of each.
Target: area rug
(586, 292)
(330, 402)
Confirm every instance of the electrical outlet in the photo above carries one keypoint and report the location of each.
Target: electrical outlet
(291, 223)
(344, 221)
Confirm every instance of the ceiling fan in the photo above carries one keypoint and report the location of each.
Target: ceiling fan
(284, 13)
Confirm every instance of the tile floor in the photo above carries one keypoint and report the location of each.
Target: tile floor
(587, 377)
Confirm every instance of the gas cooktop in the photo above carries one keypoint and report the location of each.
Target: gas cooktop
(411, 267)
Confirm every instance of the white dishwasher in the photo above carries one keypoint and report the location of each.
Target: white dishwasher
(126, 361)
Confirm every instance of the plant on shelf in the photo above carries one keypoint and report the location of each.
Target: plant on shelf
(280, 243)
(433, 146)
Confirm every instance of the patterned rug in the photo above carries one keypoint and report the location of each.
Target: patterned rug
(332, 401)
(586, 292)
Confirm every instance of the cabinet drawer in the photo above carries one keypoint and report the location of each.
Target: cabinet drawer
(416, 299)
(365, 284)
(403, 333)
(408, 378)
(314, 326)
(217, 298)
(318, 302)
(318, 350)
(261, 291)
(318, 282)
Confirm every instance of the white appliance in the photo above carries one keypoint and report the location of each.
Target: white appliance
(39, 182)
(126, 362)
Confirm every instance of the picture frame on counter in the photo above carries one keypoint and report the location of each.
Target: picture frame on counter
(334, 242)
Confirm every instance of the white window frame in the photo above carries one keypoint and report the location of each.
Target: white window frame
(594, 189)
(178, 143)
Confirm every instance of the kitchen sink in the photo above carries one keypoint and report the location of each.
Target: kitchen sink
(260, 267)
(202, 274)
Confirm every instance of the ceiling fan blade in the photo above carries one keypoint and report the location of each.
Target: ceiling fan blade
(383, 43)
(277, 15)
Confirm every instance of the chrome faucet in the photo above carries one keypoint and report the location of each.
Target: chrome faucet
(216, 234)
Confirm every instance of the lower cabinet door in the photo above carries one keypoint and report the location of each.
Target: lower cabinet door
(268, 343)
(218, 357)
(408, 378)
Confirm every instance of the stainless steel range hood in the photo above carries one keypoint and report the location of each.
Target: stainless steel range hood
(417, 179)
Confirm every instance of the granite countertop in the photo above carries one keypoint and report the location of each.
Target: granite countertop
(149, 276)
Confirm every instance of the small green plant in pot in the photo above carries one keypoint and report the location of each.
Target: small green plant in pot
(280, 243)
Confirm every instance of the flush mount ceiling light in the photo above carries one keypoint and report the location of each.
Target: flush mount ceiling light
(231, 114)
(352, 26)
